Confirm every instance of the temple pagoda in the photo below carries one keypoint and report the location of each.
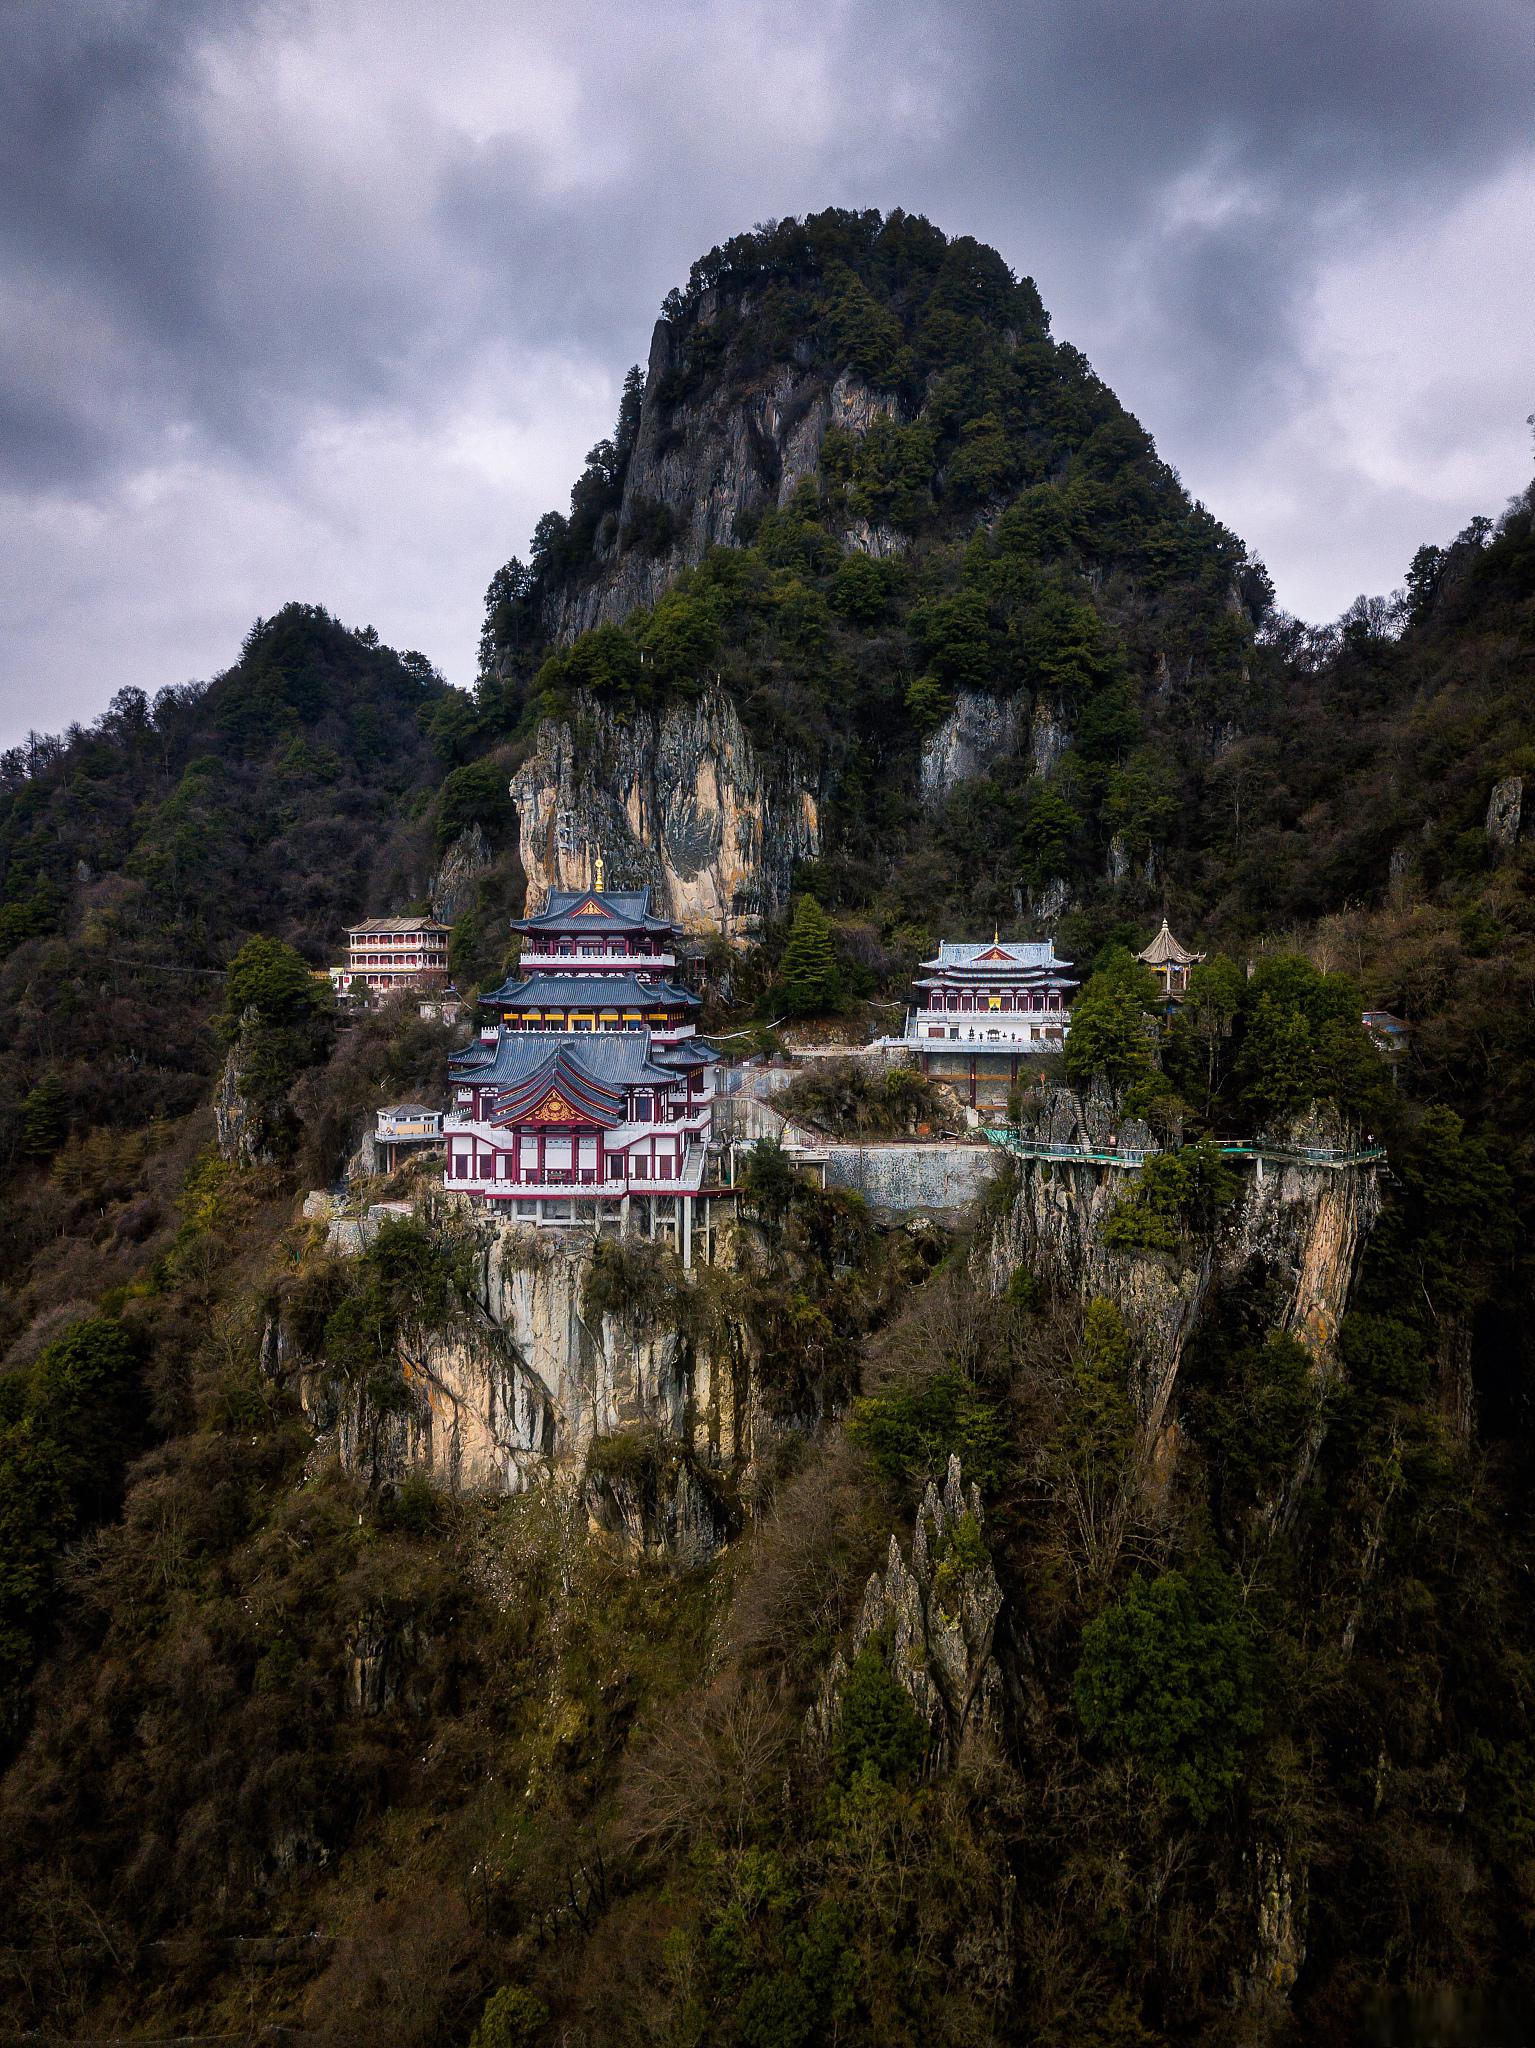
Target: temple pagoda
(594, 960)
(1170, 963)
(587, 1096)
(983, 1010)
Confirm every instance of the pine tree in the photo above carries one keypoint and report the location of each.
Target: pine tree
(808, 980)
(44, 1119)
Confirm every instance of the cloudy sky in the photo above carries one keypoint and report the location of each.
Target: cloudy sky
(327, 300)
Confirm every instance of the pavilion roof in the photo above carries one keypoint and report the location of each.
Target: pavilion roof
(609, 1058)
(594, 911)
(596, 991)
(1165, 951)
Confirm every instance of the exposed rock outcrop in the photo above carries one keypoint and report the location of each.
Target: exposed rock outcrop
(654, 1501)
(981, 729)
(241, 1126)
(1505, 809)
(704, 465)
(1301, 1226)
(934, 1621)
(457, 879)
(683, 801)
(1049, 737)
(518, 1386)
(1279, 1946)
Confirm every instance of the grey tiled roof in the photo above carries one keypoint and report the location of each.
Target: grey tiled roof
(1033, 953)
(617, 1057)
(589, 992)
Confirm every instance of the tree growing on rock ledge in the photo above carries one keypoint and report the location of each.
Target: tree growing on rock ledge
(276, 1022)
(808, 978)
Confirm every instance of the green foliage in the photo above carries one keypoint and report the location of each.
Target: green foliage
(67, 1427)
(809, 981)
(1101, 1426)
(1170, 1677)
(878, 1729)
(1448, 1222)
(269, 987)
(1046, 837)
(1112, 1035)
(928, 703)
(1176, 1195)
(1196, 1051)
(513, 2018)
(911, 1432)
(44, 1120)
(1258, 1420)
(1300, 1041)
(863, 333)
(475, 794)
(769, 1183)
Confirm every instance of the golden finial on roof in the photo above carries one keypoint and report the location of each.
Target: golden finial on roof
(996, 935)
(599, 869)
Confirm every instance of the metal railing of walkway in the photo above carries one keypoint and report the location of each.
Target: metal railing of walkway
(1129, 1159)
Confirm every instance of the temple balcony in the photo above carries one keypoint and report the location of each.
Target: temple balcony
(544, 962)
(1021, 1028)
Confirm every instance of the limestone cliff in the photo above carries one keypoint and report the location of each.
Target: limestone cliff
(703, 464)
(980, 730)
(933, 1619)
(528, 1381)
(455, 884)
(682, 801)
(1300, 1227)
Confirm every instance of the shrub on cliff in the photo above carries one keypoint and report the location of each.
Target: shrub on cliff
(1169, 1677)
(1176, 1195)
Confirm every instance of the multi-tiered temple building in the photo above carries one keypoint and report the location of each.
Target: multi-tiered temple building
(587, 1097)
(983, 1011)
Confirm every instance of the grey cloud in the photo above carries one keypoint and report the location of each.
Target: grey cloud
(197, 267)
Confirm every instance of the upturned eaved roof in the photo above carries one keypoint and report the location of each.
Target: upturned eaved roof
(1165, 951)
(1025, 955)
(595, 910)
(396, 924)
(687, 1052)
(612, 1058)
(588, 992)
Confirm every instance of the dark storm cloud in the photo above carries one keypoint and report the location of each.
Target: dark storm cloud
(217, 287)
(288, 253)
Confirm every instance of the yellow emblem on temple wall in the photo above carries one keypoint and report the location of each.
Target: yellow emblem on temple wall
(554, 1109)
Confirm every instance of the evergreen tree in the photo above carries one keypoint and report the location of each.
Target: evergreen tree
(44, 1119)
(1112, 1033)
(808, 980)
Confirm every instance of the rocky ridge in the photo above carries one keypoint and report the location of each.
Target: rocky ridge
(934, 1620)
(706, 466)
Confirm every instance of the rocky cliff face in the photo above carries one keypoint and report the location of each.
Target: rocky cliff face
(1302, 1228)
(704, 465)
(243, 1126)
(525, 1385)
(979, 730)
(683, 801)
(457, 880)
